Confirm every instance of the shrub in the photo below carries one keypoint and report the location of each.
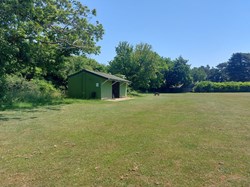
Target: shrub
(132, 92)
(207, 86)
(204, 86)
(14, 89)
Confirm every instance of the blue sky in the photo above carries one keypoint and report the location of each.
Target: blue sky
(202, 31)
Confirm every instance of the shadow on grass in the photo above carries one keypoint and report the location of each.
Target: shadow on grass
(8, 118)
(33, 105)
(5, 118)
(29, 107)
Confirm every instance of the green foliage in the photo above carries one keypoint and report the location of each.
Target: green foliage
(204, 86)
(179, 74)
(133, 93)
(2, 88)
(150, 67)
(208, 86)
(218, 74)
(37, 41)
(238, 67)
(198, 74)
(139, 64)
(16, 89)
(38, 34)
(76, 63)
(71, 65)
(123, 62)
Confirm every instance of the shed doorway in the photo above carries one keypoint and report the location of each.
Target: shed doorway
(115, 89)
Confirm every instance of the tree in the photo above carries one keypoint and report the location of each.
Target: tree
(141, 65)
(198, 74)
(157, 81)
(37, 34)
(218, 74)
(238, 67)
(72, 65)
(123, 62)
(148, 67)
(179, 74)
(206, 69)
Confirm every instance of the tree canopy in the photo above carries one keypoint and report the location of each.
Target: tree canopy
(198, 74)
(123, 61)
(238, 67)
(140, 64)
(35, 35)
(179, 74)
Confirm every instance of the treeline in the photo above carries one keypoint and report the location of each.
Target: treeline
(42, 42)
(148, 71)
(237, 68)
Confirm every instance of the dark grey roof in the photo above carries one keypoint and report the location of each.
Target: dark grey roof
(104, 75)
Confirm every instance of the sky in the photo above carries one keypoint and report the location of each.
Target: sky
(205, 32)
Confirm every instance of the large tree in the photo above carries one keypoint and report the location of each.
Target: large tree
(179, 74)
(238, 67)
(140, 64)
(123, 62)
(198, 74)
(149, 68)
(218, 74)
(35, 35)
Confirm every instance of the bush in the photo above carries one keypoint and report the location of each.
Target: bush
(15, 89)
(207, 86)
(133, 93)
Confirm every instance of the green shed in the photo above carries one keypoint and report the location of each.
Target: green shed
(88, 84)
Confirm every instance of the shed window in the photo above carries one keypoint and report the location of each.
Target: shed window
(97, 84)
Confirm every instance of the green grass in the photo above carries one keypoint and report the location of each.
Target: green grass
(170, 140)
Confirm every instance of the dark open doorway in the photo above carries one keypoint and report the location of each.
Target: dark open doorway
(115, 89)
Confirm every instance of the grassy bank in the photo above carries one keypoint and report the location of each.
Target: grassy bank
(166, 140)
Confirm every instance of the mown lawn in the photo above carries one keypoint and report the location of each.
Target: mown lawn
(170, 140)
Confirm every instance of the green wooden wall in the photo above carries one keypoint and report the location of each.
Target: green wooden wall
(106, 90)
(123, 89)
(89, 86)
(75, 86)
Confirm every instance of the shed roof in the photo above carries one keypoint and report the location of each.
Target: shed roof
(101, 74)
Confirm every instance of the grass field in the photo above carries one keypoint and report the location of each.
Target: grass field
(170, 140)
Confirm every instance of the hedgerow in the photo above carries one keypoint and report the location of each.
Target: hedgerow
(208, 86)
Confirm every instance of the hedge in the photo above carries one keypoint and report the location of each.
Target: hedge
(207, 86)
